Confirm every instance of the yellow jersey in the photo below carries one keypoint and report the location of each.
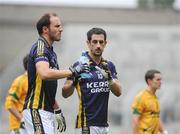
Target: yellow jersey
(15, 98)
(147, 106)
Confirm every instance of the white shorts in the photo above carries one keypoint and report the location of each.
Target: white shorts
(94, 130)
(18, 131)
(39, 121)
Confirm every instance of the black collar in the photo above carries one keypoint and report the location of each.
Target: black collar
(45, 41)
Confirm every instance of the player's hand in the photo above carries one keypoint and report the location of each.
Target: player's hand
(80, 68)
(22, 124)
(104, 69)
(60, 122)
(165, 132)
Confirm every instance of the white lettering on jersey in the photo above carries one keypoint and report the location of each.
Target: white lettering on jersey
(98, 90)
(100, 76)
(97, 87)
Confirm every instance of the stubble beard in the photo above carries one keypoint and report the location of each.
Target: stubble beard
(97, 54)
(54, 37)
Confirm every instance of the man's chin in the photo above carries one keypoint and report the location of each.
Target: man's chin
(58, 39)
(98, 54)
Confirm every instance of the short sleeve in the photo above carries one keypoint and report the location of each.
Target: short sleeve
(138, 105)
(13, 93)
(41, 53)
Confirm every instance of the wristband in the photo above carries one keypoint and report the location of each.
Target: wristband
(111, 82)
(57, 111)
(165, 132)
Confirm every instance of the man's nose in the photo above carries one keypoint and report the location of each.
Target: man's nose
(60, 28)
(98, 44)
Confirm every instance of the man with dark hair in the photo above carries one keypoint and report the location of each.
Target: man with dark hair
(93, 88)
(15, 101)
(43, 72)
(146, 107)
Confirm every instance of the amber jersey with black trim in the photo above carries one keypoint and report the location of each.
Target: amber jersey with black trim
(15, 98)
(147, 106)
(41, 93)
(93, 93)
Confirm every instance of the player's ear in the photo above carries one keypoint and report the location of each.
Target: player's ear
(149, 81)
(105, 42)
(88, 43)
(45, 29)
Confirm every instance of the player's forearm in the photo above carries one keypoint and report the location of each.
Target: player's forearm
(135, 123)
(135, 130)
(115, 87)
(47, 73)
(135, 127)
(16, 113)
(67, 89)
(51, 74)
(161, 127)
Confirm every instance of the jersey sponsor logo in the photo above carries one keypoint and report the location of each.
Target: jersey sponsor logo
(97, 87)
(99, 90)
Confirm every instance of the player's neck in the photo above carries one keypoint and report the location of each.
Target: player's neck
(152, 90)
(49, 41)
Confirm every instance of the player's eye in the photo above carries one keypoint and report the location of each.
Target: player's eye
(101, 42)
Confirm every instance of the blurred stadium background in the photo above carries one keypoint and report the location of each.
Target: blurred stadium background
(142, 34)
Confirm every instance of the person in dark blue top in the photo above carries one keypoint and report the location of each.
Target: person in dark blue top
(93, 88)
(43, 72)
